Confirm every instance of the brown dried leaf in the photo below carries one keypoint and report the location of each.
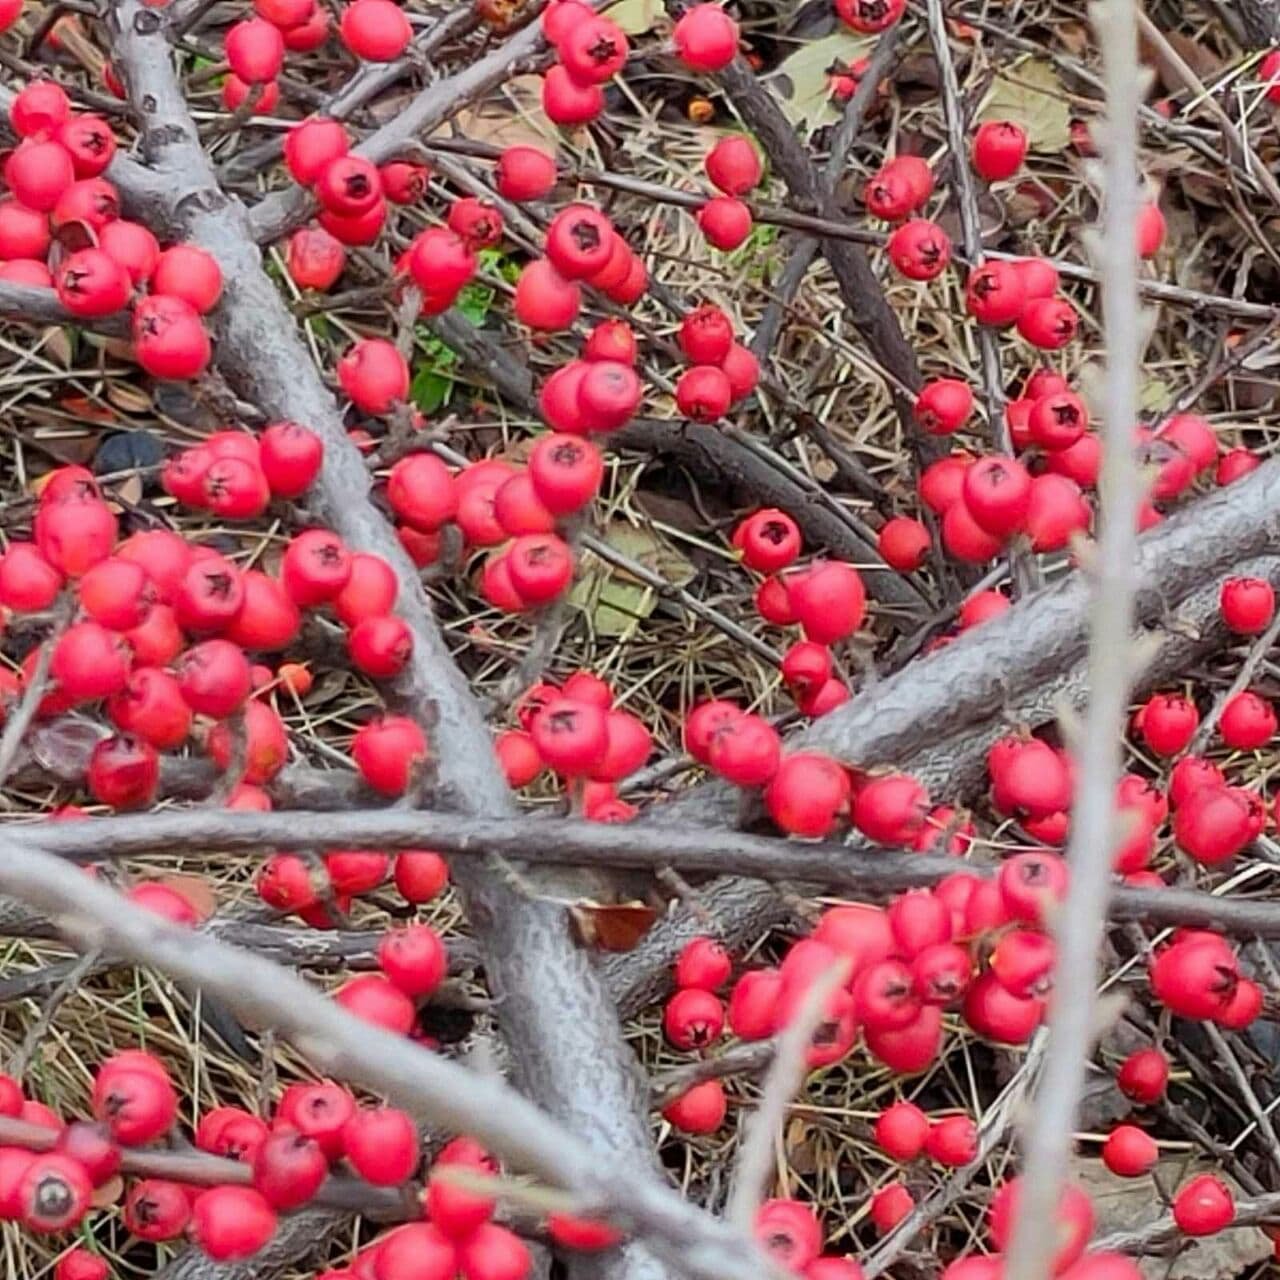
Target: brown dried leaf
(613, 926)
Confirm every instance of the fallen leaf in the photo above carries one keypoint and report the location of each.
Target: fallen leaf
(1031, 93)
(615, 599)
(1122, 1204)
(801, 79)
(514, 118)
(612, 926)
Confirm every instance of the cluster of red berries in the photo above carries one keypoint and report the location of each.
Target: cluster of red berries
(575, 731)
(353, 193)
(969, 943)
(495, 504)
(54, 177)
(582, 247)
(254, 48)
(290, 883)
(723, 371)
(50, 1185)
(591, 49)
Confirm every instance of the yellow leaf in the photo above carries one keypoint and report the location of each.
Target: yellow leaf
(1031, 95)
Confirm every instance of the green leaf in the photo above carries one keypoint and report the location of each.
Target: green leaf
(1031, 95)
(475, 302)
(801, 80)
(430, 390)
(635, 17)
(615, 600)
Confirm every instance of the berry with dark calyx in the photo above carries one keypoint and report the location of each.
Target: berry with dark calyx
(789, 1231)
(137, 1106)
(703, 393)
(769, 540)
(693, 1018)
(870, 16)
(919, 249)
(54, 1193)
(994, 294)
(1167, 722)
(593, 50)
(157, 1209)
(90, 283)
(943, 405)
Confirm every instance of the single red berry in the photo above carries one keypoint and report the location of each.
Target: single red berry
(382, 1145)
(999, 148)
(289, 1168)
(232, 1222)
(1204, 1206)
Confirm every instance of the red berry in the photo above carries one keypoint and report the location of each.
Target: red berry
(900, 1131)
(999, 148)
(289, 1168)
(1129, 1152)
(1204, 1206)
(706, 38)
(382, 1146)
(232, 1222)
(943, 405)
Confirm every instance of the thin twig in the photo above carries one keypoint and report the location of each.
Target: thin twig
(1093, 825)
